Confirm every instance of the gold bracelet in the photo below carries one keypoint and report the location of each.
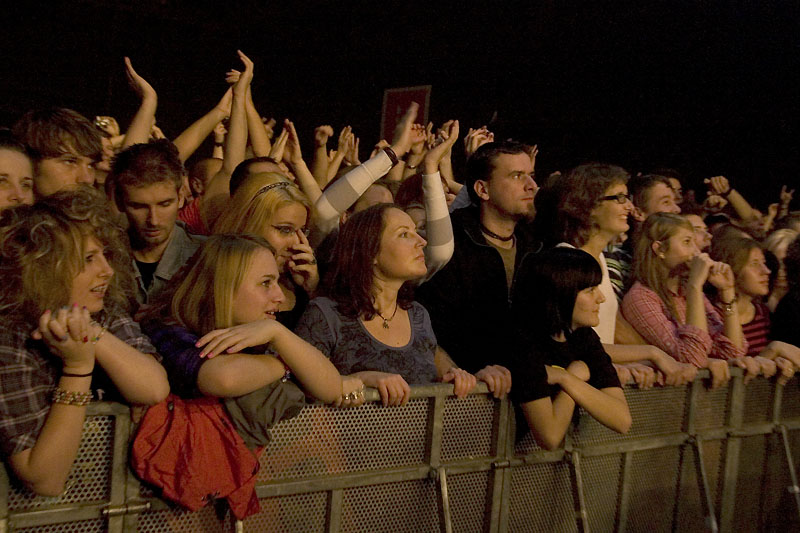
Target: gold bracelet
(68, 397)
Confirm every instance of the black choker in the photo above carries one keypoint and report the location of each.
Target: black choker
(494, 235)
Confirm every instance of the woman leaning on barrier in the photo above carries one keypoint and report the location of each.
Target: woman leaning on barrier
(65, 332)
(746, 257)
(667, 306)
(367, 323)
(560, 361)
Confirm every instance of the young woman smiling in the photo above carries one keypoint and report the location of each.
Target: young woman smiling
(66, 279)
(560, 361)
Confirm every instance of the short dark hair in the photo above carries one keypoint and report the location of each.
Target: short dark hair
(51, 132)
(350, 279)
(792, 263)
(141, 165)
(639, 187)
(242, 170)
(581, 189)
(545, 291)
(480, 165)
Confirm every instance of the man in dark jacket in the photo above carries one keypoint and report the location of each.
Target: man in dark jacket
(468, 300)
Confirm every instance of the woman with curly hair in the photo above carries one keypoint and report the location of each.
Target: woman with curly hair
(65, 332)
(593, 206)
(367, 322)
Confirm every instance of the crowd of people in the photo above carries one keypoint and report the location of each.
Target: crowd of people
(263, 278)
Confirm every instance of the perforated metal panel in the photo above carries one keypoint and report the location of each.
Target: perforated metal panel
(298, 513)
(541, 499)
(790, 405)
(653, 488)
(690, 513)
(711, 408)
(90, 477)
(404, 506)
(469, 496)
(182, 521)
(601, 481)
(82, 526)
(323, 440)
(759, 396)
(467, 428)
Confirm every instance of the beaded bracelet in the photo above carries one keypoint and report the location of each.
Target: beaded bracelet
(68, 397)
(102, 332)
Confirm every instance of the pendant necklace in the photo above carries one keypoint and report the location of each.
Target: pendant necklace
(387, 320)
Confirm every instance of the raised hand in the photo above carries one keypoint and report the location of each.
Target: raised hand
(718, 185)
(269, 126)
(138, 83)
(344, 140)
(243, 83)
(352, 154)
(475, 139)
(402, 139)
(714, 203)
(276, 152)
(448, 136)
(224, 105)
(292, 150)
(786, 196)
(418, 136)
(322, 134)
(383, 143)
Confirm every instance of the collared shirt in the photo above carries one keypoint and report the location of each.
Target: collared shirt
(645, 311)
(181, 247)
(29, 374)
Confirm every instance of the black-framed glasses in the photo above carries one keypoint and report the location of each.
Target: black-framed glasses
(620, 198)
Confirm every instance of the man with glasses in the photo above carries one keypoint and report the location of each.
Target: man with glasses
(147, 178)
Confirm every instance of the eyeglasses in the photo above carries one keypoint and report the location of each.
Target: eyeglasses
(620, 198)
(287, 230)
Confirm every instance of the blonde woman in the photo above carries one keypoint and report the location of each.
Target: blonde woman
(216, 329)
(65, 278)
(667, 306)
(274, 208)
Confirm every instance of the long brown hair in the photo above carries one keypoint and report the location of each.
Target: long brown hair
(648, 268)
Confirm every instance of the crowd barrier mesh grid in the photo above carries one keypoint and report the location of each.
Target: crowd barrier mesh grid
(649, 478)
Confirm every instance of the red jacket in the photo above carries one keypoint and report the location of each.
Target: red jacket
(190, 450)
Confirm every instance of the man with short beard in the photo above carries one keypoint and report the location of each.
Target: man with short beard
(468, 300)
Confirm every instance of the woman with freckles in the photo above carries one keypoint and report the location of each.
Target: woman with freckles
(367, 322)
(65, 335)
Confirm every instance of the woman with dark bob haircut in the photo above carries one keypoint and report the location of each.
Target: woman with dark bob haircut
(65, 332)
(560, 361)
(366, 321)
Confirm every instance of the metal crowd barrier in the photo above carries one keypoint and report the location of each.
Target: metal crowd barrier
(695, 459)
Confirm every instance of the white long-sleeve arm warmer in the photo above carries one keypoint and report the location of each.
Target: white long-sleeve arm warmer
(439, 229)
(346, 190)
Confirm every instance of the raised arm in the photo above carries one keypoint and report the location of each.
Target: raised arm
(720, 185)
(319, 160)
(439, 228)
(143, 121)
(193, 136)
(345, 191)
(235, 146)
(294, 155)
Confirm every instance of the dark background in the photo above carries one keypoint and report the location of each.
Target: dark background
(706, 88)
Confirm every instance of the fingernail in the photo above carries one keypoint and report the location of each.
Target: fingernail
(85, 339)
(202, 354)
(74, 305)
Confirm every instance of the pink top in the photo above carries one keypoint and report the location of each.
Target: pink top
(190, 215)
(689, 344)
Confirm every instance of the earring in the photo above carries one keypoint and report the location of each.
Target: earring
(661, 256)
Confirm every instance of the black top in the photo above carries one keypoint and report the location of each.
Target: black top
(786, 320)
(468, 300)
(530, 377)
